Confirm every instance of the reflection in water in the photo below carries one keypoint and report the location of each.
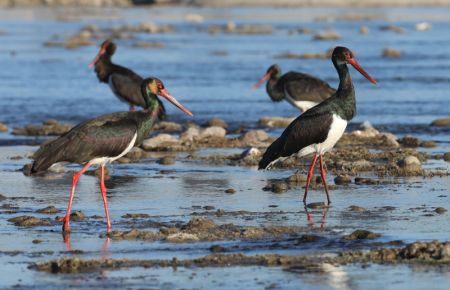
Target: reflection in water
(310, 220)
(119, 181)
(337, 277)
(105, 246)
(195, 181)
(66, 240)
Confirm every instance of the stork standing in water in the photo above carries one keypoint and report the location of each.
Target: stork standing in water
(318, 129)
(124, 83)
(301, 90)
(104, 139)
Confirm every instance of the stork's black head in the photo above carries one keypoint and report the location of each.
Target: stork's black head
(153, 87)
(108, 48)
(342, 56)
(274, 71)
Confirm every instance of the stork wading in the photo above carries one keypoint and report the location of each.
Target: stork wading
(104, 139)
(317, 130)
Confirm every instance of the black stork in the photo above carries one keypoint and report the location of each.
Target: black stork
(124, 83)
(318, 129)
(101, 140)
(301, 90)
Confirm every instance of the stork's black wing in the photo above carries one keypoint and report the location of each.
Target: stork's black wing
(304, 87)
(308, 129)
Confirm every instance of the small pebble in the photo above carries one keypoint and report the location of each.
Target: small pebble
(217, 122)
(297, 179)
(342, 179)
(230, 190)
(216, 249)
(440, 210)
(391, 52)
(167, 160)
(447, 156)
(441, 122)
(356, 208)
(361, 180)
(208, 207)
(279, 187)
(48, 210)
(77, 216)
(361, 235)
(220, 212)
(317, 205)
(36, 241)
(3, 127)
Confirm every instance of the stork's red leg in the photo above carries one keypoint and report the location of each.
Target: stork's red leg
(308, 179)
(103, 190)
(75, 177)
(324, 181)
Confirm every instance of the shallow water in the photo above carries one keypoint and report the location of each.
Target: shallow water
(38, 83)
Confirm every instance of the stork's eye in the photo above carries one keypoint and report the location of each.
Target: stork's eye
(160, 86)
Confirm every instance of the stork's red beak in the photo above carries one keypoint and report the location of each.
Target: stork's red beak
(356, 65)
(264, 79)
(165, 94)
(97, 57)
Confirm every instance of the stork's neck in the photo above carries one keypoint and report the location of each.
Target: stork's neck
(274, 88)
(104, 67)
(345, 95)
(345, 80)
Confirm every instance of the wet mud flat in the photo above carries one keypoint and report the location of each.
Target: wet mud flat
(198, 212)
(188, 207)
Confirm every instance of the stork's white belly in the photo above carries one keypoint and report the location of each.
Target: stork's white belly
(335, 133)
(301, 105)
(104, 160)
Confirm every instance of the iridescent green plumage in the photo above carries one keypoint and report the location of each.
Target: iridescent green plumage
(105, 136)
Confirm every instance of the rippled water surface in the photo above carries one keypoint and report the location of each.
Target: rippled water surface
(212, 76)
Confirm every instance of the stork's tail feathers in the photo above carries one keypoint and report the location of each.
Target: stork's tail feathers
(49, 154)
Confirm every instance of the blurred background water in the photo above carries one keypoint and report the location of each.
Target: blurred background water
(212, 74)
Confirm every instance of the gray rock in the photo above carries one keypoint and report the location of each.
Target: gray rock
(447, 156)
(214, 131)
(366, 130)
(3, 127)
(391, 52)
(190, 134)
(168, 126)
(389, 140)
(251, 153)
(278, 122)
(255, 136)
(166, 160)
(410, 163)
(216, 122)
(441, 122)
(160, 141)
(342, 179)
